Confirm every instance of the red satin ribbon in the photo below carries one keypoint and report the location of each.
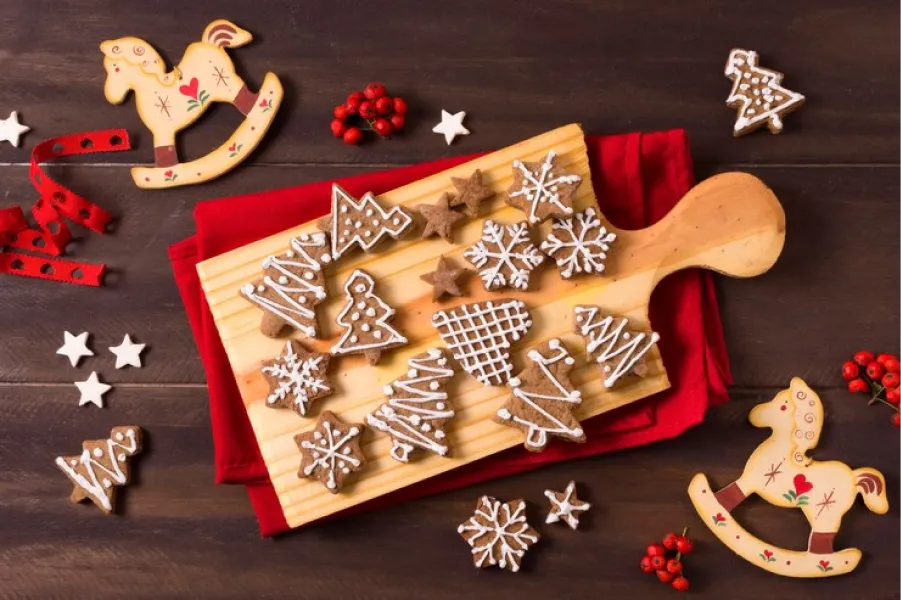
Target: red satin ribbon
(55, 203)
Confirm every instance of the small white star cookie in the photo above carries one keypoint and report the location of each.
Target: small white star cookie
(92, 390)
(451, 126)
(565, 506)
(75, 347)
(128, 354)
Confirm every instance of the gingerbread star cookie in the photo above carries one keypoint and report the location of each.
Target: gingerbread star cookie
(498, 533)
(471, 192)
(331, 451)
(542, 189)
(440, 218)
(444, 279)
(296, 378)
(565, 506)
(505, 256)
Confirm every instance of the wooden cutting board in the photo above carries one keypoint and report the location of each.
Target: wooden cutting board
(731, 223)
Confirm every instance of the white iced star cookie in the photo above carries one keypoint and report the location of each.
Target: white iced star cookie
(92, 390)
(127, 353)
(75, 347)
(451, 126)
(566, 506)
(11, 129)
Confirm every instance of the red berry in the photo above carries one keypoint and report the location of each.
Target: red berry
(891, 380)
(665, 576)
(884, 357)
(645, 565)
(674, 566)
(353, 103)
(892, 364)
(658, 562)
(384, 105)
(400, 106)
(397, 122)
(358, 96)
(367, 110)
(684, 545)
(863, 358)
(875, 370)
(353, 136)
(656, 550)
(850, 370)
(340, 112)
(338, 128)
(893, 396)
(856, 386)
(896, 419)
(669, 541)
(374, 91)
(383, 127)
(680, 584)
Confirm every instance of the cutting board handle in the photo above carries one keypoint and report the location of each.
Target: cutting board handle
(731, 223)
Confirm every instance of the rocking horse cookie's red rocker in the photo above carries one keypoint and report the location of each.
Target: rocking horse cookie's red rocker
(781, 473)
(168, 102)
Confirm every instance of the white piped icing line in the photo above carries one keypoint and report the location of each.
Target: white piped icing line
(96, 473)
(757, 93)
(567, 508)
(498, 533)
(417, 407)
(505, 256)
(542, 188)
(363, 222)
(297, 282)
(579, 244)
(380, 335)
(608, 341)
(480, 335)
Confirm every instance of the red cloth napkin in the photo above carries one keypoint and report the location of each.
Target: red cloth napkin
(637, 177)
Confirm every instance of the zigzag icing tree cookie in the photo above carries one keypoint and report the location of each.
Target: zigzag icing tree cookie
(579, 244)
(505, 256)
(498, 533)
(365, 320)
(417, 407)
(542, 189)
(362, 223)
(292, 285)
(102, 466)
(781, 472)
(481, 334)
(543, 398)
(757, 94)
(619, 351)
(331, 451)
(296, 378)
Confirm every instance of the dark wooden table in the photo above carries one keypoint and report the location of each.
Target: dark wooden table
(518, 69)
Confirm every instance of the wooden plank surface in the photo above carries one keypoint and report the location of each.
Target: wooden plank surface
(613, 66)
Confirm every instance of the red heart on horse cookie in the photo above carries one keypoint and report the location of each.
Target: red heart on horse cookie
(802, 486)
(824, 563)
(191, 89)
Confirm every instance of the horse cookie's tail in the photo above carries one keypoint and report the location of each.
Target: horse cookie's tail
(225, 34)
(871, 485)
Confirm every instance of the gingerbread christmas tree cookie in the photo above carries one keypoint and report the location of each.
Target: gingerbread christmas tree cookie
(292, 285)
(505, 256)
(102, 466)
(611, 344)
(498, 533)
(440, 218)
(481, 334)
(331, 451)
(579, 244)
(757, 94)
(365, 320)
(296, 378)
(544, 398)
(471, 192)
(362, 223)
(444, 279)
(417, 407)
(542, 189)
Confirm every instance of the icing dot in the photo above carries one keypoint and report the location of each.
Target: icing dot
(73, 462)
(569, 360)
(289, 254)
(412, 373)
(107, 483)
(345, 470)
(261, 289)
(755, 80)
(426, 427)
(271, 399)
(388, 390)
(365, 327)
(747, 75)
(302, 299)
(361, 305)
(395, 221)
(370, 312)
(283, 280)
(121, 458)
(376, 222)
(440, 406)
(377, 334)
(415, 420)
(434, 385)
(309, 275)
(354, 339)
(367, 233)
(344, 209)
(345, 450)
(368, 212)
(354, 431)
(316, 435)
(348, 221)
(358, 224)
(606, 368)
(355, 316)
(439, 435)
(360, 288)
(98, 452)
(119, 436)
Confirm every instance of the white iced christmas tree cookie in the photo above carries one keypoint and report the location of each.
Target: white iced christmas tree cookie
(365, 320)
(619, 351)
(757, 94)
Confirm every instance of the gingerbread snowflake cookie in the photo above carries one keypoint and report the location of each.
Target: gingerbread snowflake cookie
(331, 451)
(579, 244)
(542, 189)
(544, 398)
(292, 285)
(365, 319)
(362, 223)
(505, 256)
(417, 407)
(618, 350)
(481, 334)
(296, 378)
(498, 533)
(102, 466)
(757, 94)
(565, 506)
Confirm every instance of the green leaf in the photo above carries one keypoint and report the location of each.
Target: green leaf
(787, 497)
(792, 494)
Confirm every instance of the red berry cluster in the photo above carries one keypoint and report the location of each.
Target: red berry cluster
(669, 570)
(370, 110)
(877, 376)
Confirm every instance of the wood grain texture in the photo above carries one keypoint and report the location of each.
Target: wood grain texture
(518, 69)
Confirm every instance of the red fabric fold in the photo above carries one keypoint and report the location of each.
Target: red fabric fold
(637, 177)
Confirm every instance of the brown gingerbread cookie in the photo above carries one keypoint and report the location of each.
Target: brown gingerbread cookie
(579, 244)
(505, 256)
(618, 350)
(331, 451)
(362, 223)
(440, 218)
(757, 94)
(498, 533)
(365, 319)
(542, 189)
(296, 378)
(444, 279)
(471, 192)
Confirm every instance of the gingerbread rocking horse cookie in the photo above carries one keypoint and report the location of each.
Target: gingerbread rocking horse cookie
(168, 102)
(780, 472)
